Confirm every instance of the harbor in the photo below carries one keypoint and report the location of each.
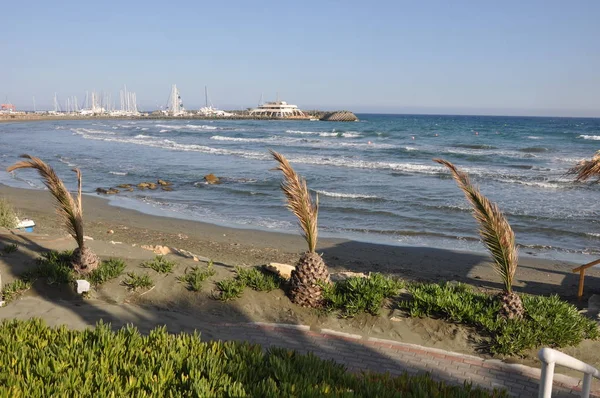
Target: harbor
(102, 106)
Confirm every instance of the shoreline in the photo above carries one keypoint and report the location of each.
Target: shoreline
(250, 247)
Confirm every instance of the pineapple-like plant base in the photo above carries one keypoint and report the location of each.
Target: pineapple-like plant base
(84, 260)
(511, 305)
(304, 282)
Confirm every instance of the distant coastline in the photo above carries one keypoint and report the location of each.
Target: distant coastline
(236, 115)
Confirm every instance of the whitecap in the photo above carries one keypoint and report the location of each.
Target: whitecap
(590, 137)
(345, 195)
(118, 173)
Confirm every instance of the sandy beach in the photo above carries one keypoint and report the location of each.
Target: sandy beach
(118, 232)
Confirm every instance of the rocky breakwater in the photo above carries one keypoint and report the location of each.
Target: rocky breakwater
(339, 116)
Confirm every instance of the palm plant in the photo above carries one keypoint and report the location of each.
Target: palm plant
(587, 169)
(84, 260)
(311, 272)
(497, 236)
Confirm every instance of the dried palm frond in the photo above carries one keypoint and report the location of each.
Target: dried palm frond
(66, 207)
(496, 234)
(299, 200)
(587, 169)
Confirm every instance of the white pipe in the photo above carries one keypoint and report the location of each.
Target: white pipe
(550, 357)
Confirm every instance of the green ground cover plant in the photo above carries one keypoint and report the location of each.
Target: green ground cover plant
(135, 281)
(160, 264)
(108, 269)
(355, 295)
(194, 276)
(8, 216)
(257, 279)
(12, 290)
(41, 361)
(232, 288)
(10, 248)
(549, 321)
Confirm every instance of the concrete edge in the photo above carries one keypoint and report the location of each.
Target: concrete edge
(560, 380)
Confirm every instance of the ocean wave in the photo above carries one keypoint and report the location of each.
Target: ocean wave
(81, 131)
(238, 139)
(345, 195)
(480, 152)
(590, 137)
(118, 173)
(534, 137)
(535, 149)
(538, 184)
(475, 146)
(142, 136)
(347, 134)
(66, 161)
(187, 127)
(594, 234)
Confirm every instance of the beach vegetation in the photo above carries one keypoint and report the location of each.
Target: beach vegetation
(54, 266)
(355, 295)
(160, 264)
(258, 280)
(497, 236)
(10, 248)
(108, 269)
(69, 210)
(229, 289)
(135, 281)
(8, 216)
(548, 321)
(13, 289)
(254, 278)
(311, 273)
(40, 363)
(195, 276)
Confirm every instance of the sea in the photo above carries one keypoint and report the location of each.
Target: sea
(375, 179)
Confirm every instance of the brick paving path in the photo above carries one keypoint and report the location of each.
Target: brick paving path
(356, 352)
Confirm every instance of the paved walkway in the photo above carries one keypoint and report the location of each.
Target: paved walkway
(356, 352)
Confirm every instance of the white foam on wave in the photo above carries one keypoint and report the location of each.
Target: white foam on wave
(347, 134)
(173, 145)
(238, 139)
(66, 161)
(118, 173)
(82, 131)
(487, 152)
(186, 127)
(595, 235)
(142, 136)
(590, 137)
(534, 137)
(345, 195)
(537, 184)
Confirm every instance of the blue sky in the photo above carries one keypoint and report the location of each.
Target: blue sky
(459, 57)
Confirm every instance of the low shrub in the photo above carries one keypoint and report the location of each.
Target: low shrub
(39, 361)
(229, 289)
(10, 248)
(355, 295)
(8, 216)
(549, 321)
(257, 279)
(160, 264)
(253, 278)
(196, 275)
(108, 269)
(54, 266)
(135, 281)
(12, 290)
